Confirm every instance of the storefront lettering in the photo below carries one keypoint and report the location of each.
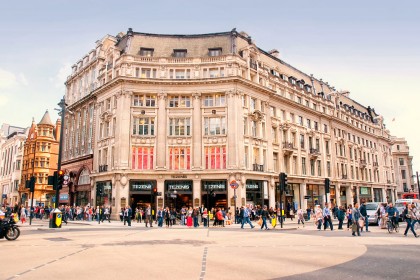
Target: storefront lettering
(215, 187)
(141, 187)
(252, 187)
(179, 187)
(179, 176)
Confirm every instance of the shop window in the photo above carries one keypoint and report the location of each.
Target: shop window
(180, 158)
(142, 158)
(215, 157)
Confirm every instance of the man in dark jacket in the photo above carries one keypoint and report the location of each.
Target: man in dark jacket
(363, 212)
(340, 217)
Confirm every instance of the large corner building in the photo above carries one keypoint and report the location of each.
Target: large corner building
(189, 114)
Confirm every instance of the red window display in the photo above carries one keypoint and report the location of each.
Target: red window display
(180, 158)
(142, 158)
(215, 157)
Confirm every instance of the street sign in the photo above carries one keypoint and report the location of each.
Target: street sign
(234, 185)
(307, 196)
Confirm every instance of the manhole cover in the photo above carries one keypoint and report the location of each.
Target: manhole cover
(57, 239)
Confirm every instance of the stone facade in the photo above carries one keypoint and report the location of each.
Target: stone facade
(191, 114)
(403, 167)
(40, 157)
(11, 150)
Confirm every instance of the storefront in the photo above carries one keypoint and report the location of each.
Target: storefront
(315, 194)
(103, 193)
(389, 197)
(141, 193)
(377, 195)
(365, 194)
(178, 194)
(343, 196)
(256, 192)
(333, 195)
(217, 194)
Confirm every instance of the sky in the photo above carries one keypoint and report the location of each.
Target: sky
(370, 48)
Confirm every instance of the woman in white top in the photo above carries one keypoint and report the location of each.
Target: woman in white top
(22, 214)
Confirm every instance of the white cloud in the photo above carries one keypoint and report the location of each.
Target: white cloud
(3, 100)
(8, 80)
(23, 79)
(61, 76)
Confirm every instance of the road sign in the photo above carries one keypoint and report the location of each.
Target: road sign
(234, 185)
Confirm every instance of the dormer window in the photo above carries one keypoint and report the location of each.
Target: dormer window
(215, 51)
(283, 77)
(146, 52)
(292, 80)
(180, 53)
(308, 88)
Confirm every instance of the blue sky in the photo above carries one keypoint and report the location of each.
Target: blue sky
(370, 48)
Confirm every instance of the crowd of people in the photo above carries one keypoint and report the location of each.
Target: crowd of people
(356, 216)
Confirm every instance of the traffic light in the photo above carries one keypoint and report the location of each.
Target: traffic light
(327, 185)
(154, 191)
(30, 184)
(60, 179)
(283, 181)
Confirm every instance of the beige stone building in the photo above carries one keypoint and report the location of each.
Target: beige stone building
(190, 114)
(403, 167)
(12, 139)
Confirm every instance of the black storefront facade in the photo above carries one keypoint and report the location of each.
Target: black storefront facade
(104, 193)
(216, 191)
(178, 193)
(141, 193)
(255, 194)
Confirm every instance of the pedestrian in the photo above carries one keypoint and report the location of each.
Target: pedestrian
(220, 218)
(264, 216)
(365, 216)
(326, 213)
(22, 214)
(205, 217)
(340, 217)
(318, 217)
(355, 214)
(195, 214)
(300, 217)
(349, 216)
(149, 218)
(245, 213)
(160, 217)
(409, 216)
(308, 213)
(416, 212)
(167, 215)
(189, 217)
(173, 216)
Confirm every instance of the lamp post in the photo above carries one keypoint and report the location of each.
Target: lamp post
(418, 185)
(62, 105)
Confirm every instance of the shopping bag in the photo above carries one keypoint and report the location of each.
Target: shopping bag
(353, 227)
(211, 216)
(273, 222)
(361, 223)
(16, 218)
(259, 222)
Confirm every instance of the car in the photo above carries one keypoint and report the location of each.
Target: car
(372, 212)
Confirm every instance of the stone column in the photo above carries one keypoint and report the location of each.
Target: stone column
(349, 195)
(197, 191)
(304, 202)
(337, 194)
(122, 142)
(232, 127)
(196, 132)
(161, 132)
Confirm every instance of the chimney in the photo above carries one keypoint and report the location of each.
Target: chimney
(274, 53)
(57, 129)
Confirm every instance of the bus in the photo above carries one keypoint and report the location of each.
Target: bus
(409, 196)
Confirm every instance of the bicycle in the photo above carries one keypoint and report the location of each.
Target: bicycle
(392, 226)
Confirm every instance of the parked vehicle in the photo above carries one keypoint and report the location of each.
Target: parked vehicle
(9, 229)
(372, 212)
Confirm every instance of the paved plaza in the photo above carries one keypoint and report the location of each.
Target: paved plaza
(87, 250)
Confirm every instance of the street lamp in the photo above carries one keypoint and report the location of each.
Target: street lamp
(418, 185)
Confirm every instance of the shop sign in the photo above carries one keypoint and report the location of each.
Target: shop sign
(140, 186)
(179, 186)
(215, 185)
(4, 195)
(364, 190)
(252, 185)
(64, 196)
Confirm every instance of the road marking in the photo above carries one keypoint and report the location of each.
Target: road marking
(203, 264)
(42, 265)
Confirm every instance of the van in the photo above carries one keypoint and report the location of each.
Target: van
(372, 211)
(401, 204)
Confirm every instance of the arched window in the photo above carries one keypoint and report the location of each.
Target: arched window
(84, 178)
